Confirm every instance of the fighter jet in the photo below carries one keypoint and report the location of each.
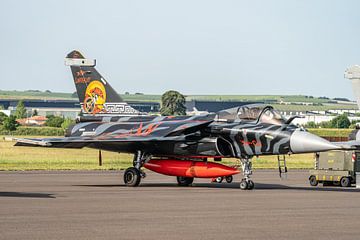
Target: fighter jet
(179, 146)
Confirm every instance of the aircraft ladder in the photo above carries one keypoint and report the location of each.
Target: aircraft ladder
(282, 166)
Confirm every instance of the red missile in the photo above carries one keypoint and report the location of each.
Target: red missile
(187, 168)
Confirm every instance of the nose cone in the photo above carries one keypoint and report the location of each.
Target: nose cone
(305, 142)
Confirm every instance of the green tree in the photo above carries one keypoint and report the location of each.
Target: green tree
(20, 110)
(67, 123)
(3, 116)
(10, 123)
(311, 125)
(54, 121)
(172, 103)
(35, 113)
(325, 124)
(341, 121)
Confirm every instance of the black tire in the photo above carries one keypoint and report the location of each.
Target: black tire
(219, 179)
(132, 177)
(229, 179)
(251, 185)
(243, 185)
(345, 182)
(312, 180)
(184, 181)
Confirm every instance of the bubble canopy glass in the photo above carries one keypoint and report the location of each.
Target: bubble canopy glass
(252, 112)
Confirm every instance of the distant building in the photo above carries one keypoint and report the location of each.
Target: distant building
(213, 106)
(66, 108)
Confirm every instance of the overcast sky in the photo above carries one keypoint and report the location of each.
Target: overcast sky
(195, 47)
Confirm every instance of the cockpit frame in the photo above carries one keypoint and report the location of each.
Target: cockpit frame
(252, 112)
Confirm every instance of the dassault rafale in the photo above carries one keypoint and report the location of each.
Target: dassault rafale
(179, 146)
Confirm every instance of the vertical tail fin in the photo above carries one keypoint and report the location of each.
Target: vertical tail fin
(95, 94)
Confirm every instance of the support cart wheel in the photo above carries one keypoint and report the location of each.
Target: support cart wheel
(313, 181)
(345, 182)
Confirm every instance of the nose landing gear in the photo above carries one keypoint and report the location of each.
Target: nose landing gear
(246, 183)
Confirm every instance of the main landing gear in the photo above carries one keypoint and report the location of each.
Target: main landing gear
(133, 175)
(246, 183)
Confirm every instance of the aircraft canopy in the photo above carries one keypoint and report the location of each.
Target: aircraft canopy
(252, 112)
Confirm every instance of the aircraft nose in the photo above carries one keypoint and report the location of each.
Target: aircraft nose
(305, 142)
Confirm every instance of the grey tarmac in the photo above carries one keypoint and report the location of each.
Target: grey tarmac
(96, 205)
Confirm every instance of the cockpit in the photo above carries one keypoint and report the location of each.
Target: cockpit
(272, 116)
(252, 112)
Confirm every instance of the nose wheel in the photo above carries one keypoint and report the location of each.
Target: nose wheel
(246, 183)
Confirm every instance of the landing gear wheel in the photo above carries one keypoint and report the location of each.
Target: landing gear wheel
(345, 182)
(184, 181)
(246, 165)
(132, 177)
(312, 180)
(219, 179)
(251, 185)
(229, 179)
(243, 184)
